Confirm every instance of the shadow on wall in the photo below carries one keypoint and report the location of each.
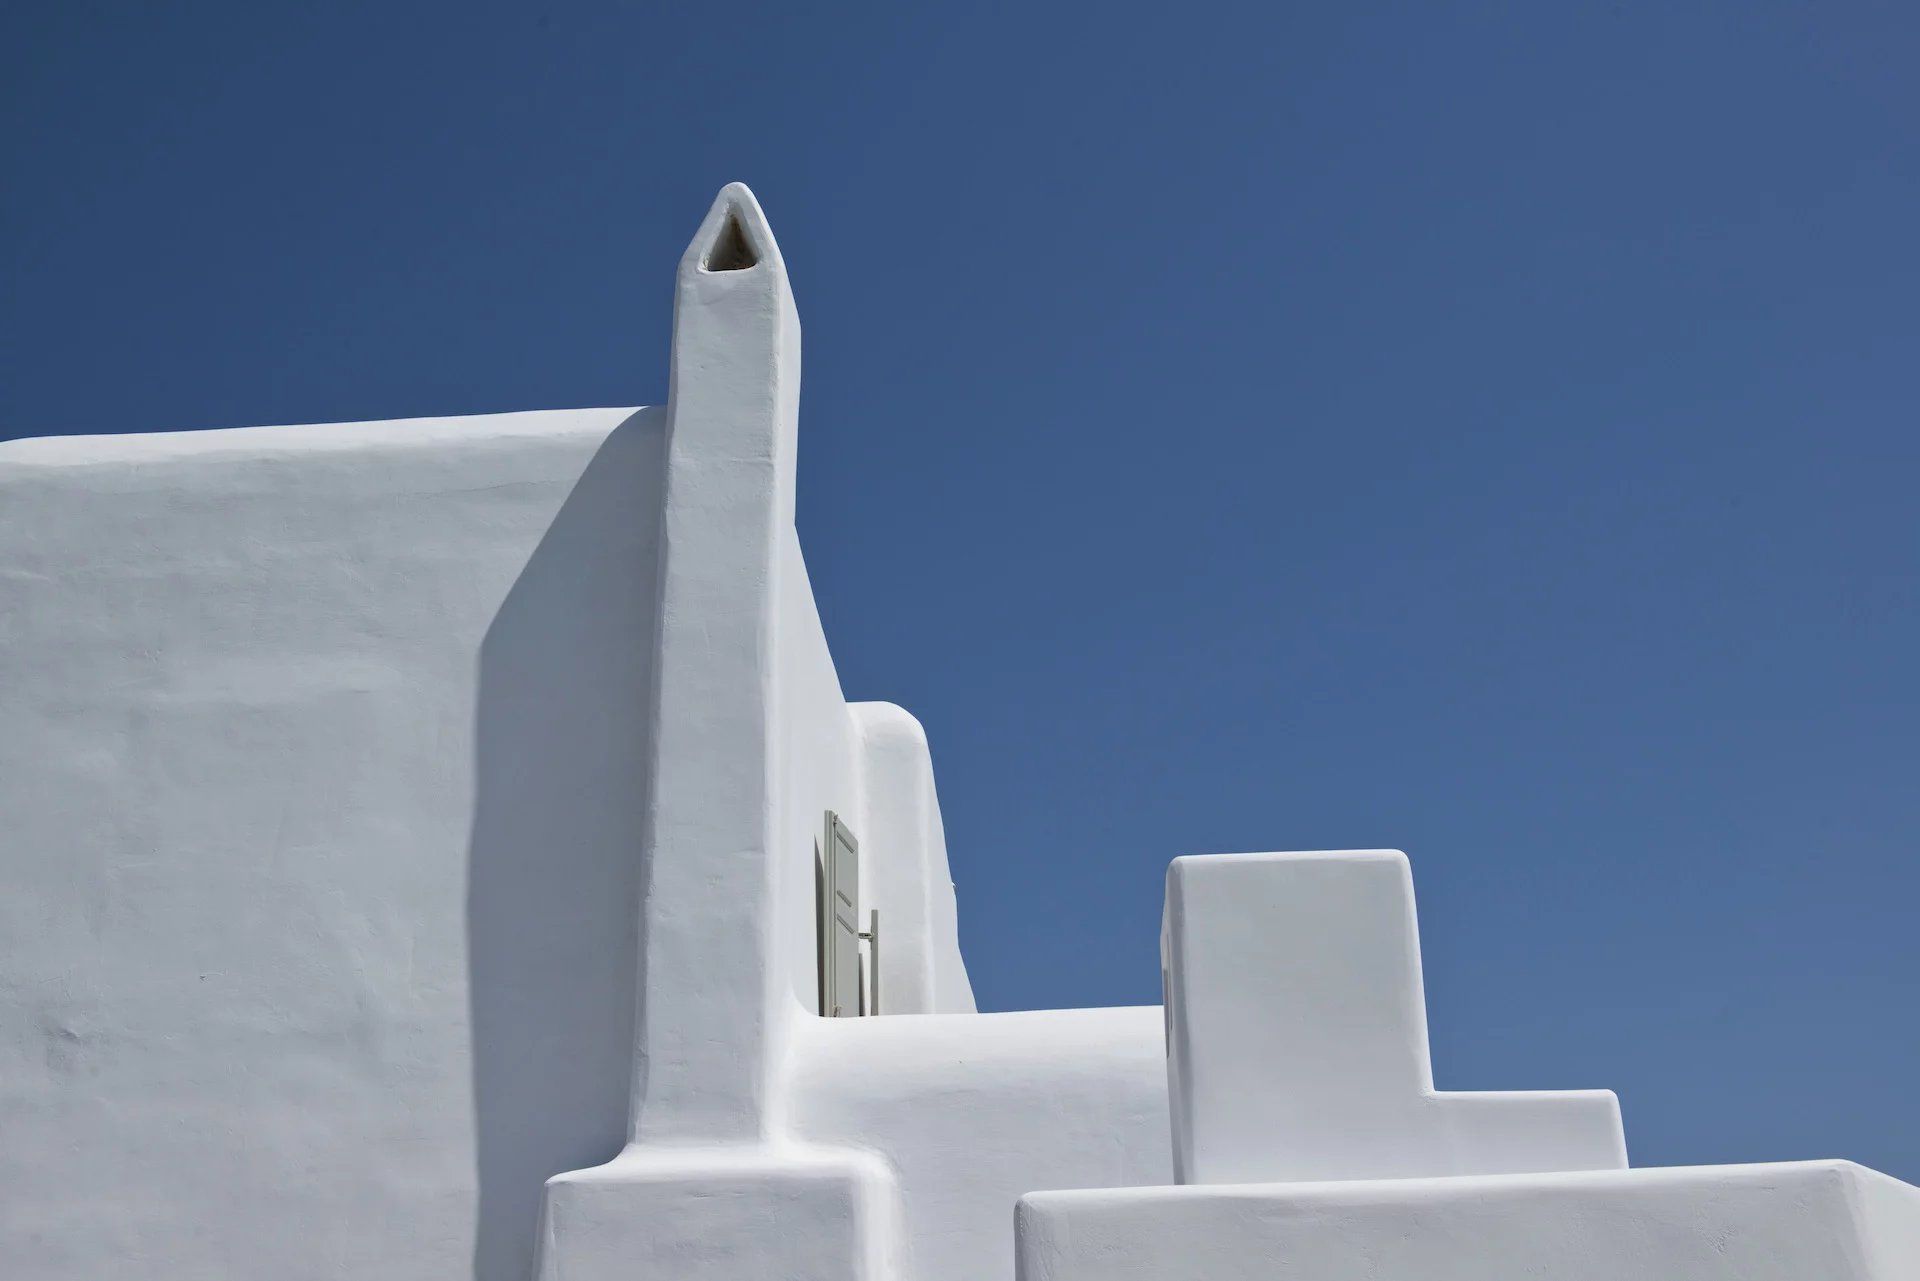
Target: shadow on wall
(554, 865)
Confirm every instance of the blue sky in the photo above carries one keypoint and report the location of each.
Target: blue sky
(1483, 430)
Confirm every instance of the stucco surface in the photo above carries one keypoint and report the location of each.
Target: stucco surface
(320, 759)
(970, 1111)
(1297, 1035)
(1806, 1221)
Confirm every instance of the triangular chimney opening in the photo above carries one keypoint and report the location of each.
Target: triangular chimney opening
(731, 251)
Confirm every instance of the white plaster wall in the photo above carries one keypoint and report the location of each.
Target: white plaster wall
(319, 759)
(971, 1111)
(729, 1212)
(911, 882)
(1801, 1221)
(1297, 1035)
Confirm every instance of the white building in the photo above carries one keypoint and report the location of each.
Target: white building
(440, 848)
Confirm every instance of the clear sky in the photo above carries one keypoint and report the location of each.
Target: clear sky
(1483, 430)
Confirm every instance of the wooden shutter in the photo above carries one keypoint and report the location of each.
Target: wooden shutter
(840, 922)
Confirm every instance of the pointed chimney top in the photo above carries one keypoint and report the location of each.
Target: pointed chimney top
(734, 236)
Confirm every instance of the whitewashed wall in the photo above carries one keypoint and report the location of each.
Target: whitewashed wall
(320, 758)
